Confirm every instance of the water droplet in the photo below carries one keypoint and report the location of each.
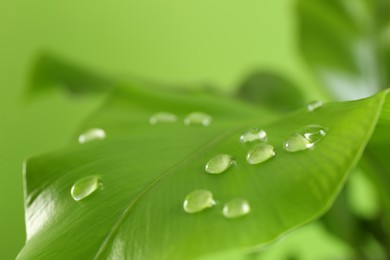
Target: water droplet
(219, 163)
(198, 118)
(84, 187)
(91, 135)
(314, 105)
(252, 135)
(260, 153)
(236, 208)
(198, 200)
(162, 117)
(305, 138)
(297, 142)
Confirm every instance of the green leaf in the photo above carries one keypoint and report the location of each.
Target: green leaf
(270, 90)
(376, 162)
(345, 44)
(49, 72)
(146, 171)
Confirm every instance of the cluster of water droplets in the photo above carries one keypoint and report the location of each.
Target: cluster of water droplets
(260, 151)
(85, 187)
(199, 200)
(194, 118)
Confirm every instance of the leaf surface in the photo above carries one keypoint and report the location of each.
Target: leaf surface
(146, 171)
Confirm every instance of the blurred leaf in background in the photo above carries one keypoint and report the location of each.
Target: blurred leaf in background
(51, 73)
(346, 44)
(267, 89)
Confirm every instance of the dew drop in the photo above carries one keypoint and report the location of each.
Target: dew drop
(84, 187)
(198, 200)
(91, 135)
(314, 105)
(236, 208)
(252, 135)
(260, 153)
(297, 142)
(219, 163)
(162, 117)
(305, 138)
(198, 118)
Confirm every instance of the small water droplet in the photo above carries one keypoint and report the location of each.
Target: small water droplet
(198, 118)
(162, 117)
(198, 200)
(236, 208)
(305, 138)
(260, 153)
(314, 105)
(254, 134)
(84, 187)
(219, 163)
(91, 135)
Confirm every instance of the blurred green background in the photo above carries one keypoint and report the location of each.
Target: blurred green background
(183, 42)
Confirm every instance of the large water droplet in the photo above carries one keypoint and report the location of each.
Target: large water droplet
(198, 118)
(254, 134)
(198, 200)
(84, 187)
(219, 163)
(305, 138)
(91, 135)
(297, 142)
(162, 117)
(260, 153)
(236, 208)
(314, 105)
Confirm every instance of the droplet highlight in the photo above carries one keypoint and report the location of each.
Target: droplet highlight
(85, 187)
(162, 117)
(254, 134)
(92, 135)
(236, 208)
(260, 153)
(314, 105)
(305, 138)
(198, 200)
(219, 164)
(198, 118)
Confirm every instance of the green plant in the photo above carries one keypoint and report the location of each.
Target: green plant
(146, 171)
